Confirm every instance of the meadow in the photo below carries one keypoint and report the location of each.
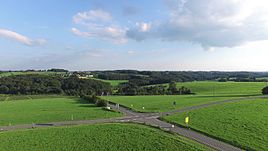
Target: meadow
(214, 88)
(97, 137)
(162, 103)
(243, 124)
(49, 109)
(225, 88)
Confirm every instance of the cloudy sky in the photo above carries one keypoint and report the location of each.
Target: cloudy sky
(223, 35)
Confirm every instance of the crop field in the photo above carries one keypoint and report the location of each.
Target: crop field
(42, 110)
(243, 124)
(99, 137)
(161, 103)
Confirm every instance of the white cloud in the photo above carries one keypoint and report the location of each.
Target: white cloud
(111, 33)
(98, 24)
(131, 52)
(79, 33)
(20, 38)
(210, 23)
(91, 16)
(143, 27)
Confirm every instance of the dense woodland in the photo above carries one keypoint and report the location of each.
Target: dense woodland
(44, 84)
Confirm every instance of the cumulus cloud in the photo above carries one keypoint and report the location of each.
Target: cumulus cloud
(210, 23)
(20, 38)
(98, 24)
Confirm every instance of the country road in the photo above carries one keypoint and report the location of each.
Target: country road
(151, 119)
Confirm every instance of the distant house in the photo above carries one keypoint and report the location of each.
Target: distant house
(85, 76)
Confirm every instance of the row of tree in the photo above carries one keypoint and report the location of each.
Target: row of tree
(44, 84)
(250, 79)
(142, 78)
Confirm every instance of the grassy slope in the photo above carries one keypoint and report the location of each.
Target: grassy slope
(112, 82)
(241, 123)
(113, 137)
(162, 102)
(48, 110)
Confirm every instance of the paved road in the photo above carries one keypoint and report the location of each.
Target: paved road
(148, 119)
(210, 104)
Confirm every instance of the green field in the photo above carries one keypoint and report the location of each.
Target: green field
(112, 137)
(51, 109)
(205, 91)
(114, 83)
(241, 123)
(161, 103)
(224, 88)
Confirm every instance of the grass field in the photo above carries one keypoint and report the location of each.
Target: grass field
(112, 137)
(161, 103)
(44, 110)
(206, 91)
(224, 88)
(241, 123)
(114, 83)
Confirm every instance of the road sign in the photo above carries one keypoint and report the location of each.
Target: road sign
(186, 120)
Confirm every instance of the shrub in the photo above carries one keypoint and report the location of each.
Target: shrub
(265, 90)
(90, 98)
(101, 103)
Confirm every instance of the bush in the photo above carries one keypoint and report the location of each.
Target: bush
(101, 103)
(265, 90)
(95, 100)
(90, 98)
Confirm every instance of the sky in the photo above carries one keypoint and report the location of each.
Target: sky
(177, 35)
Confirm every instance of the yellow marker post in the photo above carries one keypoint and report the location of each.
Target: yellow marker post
(187, 121)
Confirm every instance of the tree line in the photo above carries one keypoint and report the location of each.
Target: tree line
(142, 78)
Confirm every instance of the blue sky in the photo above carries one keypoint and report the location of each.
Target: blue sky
(223, 35)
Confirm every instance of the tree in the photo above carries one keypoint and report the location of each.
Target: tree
(184, 90)
(128, 89)
(172, 87)
(4, 89)
(265, 90)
